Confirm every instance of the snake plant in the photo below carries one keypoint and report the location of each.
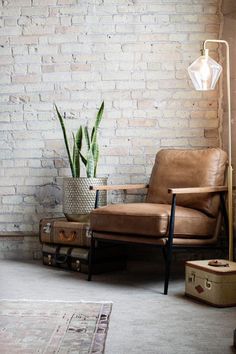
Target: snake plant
(91, 155)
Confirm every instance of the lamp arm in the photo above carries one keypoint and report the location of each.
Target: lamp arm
(230, 169)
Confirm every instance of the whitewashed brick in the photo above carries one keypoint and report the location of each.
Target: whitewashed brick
(8, 218)
(184, 8)
(44, 172)
(44, 2)
(13, 181)
(7, 190)
(19, 79)
(30, 144)
(17, 172)
(86, 76)
(210, 8)
(133, 55)
(15, 3)
(12, 199)
(174, 142)
(10, 31)
(203, 123)
(34, 11)
(43, 49)
(37, 181)
(56, 77)
(39, 87)
(75, 48)
(10, 11)
(37, 30)
(62, 38)
(23, 153)
(40, 125)
(22, 59)
(74, 10)
(21, 40)
(34, 163)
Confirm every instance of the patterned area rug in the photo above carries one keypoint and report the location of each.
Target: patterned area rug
(29, 327)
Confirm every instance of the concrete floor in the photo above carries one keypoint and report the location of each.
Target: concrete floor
(143, 320)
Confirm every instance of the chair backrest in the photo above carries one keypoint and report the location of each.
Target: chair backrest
(175, 168)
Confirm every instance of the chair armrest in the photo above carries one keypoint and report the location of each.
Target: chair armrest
(194, 190)
(118, 187)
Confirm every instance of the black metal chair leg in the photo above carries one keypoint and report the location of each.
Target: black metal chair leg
(92, 244)
(91, 257)
(169, 245)
(164, 252)
(167, 276)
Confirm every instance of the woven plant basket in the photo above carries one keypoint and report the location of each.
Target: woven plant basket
(78, 200)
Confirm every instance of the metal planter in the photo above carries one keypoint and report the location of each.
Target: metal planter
(78, 200)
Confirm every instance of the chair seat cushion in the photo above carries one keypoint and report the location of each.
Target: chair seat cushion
(151, 219)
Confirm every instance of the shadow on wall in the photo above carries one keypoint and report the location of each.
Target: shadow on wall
(48, 195)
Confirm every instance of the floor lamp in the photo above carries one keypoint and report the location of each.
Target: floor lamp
(204, 73)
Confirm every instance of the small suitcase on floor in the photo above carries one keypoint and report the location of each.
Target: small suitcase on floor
(61, 231)
(214, 284)
(76, 258)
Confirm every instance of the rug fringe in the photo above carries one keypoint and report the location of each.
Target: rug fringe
(63, 301)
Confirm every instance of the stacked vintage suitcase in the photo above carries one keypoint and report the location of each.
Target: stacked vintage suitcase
(211, 281)
(67, 244)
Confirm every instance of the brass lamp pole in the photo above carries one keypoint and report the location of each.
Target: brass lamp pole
(204, 73)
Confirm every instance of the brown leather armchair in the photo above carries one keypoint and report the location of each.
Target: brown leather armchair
(182, 207)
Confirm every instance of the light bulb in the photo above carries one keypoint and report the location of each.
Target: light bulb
(205, 72)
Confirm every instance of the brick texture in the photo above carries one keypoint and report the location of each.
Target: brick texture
(131, 53)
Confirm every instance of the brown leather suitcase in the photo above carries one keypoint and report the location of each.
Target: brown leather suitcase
(62, 232)
(106, 259)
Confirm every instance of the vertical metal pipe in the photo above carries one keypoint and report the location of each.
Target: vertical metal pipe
(230, 168)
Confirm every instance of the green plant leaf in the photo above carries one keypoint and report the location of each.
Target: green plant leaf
(79, 138)
(76, 158)
(84, 160)
(95, 151)
(87, 138)
(73, 152)
(99, 116)
(90, 164)
(92, 134)
(97, 123)
(65, 140)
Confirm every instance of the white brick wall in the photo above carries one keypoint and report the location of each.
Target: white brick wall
(133, 54)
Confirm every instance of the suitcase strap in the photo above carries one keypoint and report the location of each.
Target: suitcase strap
(62, 258)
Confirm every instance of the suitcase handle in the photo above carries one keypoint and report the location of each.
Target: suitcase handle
(61, 258)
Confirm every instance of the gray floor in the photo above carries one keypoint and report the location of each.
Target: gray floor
(143, 320)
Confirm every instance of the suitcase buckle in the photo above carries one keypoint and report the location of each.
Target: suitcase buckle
(88, 232)
(49, 259)
(208, 284)
(191, 278)
(77, 264)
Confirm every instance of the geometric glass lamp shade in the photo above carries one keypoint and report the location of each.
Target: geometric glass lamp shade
(204, 72)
